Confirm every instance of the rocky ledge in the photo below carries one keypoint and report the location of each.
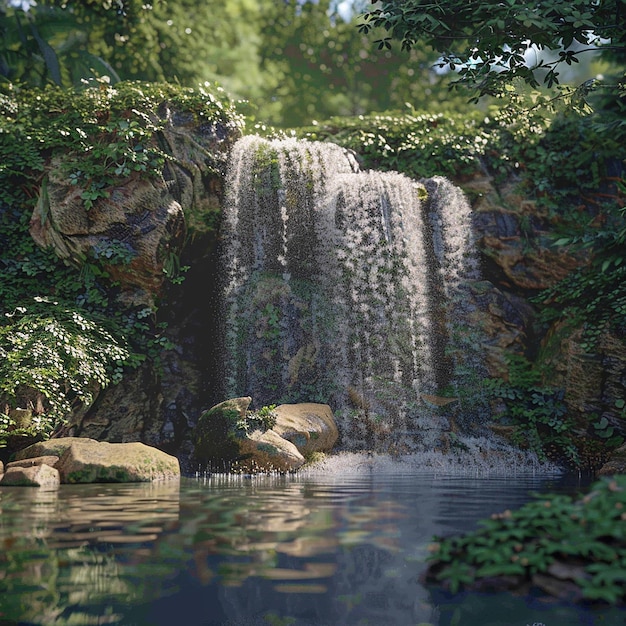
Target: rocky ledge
(80, 460)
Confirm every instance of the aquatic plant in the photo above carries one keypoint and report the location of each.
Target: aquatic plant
(575, 547)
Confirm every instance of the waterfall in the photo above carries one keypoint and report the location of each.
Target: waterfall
(345, 287)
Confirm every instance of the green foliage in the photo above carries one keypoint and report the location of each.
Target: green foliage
(266, 415)
(423, 144)
(595, 294)
(77, 337)
(586, 536)
(49, 41)
(486, 42)
(263, 419)
(293, 60)
(321, 66)
(105, 134)
(57, 357)
(538, 413)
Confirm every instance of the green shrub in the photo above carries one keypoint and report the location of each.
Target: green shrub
(53, 359)
(63, 334)
(585, 536)
(537, 413)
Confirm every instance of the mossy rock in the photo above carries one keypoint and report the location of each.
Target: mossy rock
(88, 461)
(228, 436)
(34, 476)
(218, 433)
(51, 447)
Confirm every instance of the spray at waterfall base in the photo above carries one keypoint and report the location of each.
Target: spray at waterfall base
(354, 289)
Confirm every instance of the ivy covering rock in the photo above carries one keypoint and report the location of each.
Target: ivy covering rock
(99, 189)
(571, 548)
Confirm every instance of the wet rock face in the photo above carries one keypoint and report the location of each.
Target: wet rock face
(518, 261)
(616, 463)
(140, 223)
(512, 234)
(506, 322)
(310, 426)
(137, 230)
(594, 382)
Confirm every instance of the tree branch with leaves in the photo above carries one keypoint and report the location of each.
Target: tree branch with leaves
(488, 43)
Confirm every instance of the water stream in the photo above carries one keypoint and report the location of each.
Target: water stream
(350, 288)
(314, 549)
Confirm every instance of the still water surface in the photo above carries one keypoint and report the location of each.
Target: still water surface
(297, 550)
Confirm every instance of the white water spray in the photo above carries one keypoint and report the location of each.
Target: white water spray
(345, 287)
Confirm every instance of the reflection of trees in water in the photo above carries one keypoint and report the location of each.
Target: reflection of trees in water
(377, 585)
(67, 555)
(326, 553)
(336, 566)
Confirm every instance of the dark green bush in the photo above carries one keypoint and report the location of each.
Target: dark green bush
(586, 536)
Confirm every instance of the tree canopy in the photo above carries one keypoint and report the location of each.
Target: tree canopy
(294, 61)
(491, 44)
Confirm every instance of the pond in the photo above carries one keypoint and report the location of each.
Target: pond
(307, 549)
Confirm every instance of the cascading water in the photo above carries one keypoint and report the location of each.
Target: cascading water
(346, 287)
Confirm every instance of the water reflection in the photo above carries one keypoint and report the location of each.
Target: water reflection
(234, 551)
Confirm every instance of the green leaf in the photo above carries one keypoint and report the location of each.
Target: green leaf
(49, 55)
(500, 569)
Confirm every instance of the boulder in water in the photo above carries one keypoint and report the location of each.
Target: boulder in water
(268, 452)
(309, 426)
(229, 437)
(101, 462)
(83, 460)
(51, 447)
(49, 459)
(33, 476)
